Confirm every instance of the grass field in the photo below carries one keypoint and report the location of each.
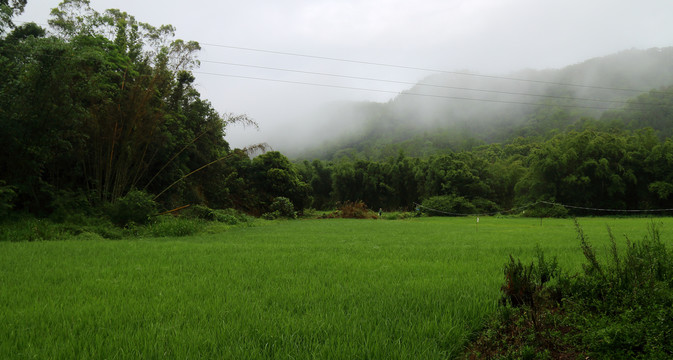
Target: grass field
(305, 289)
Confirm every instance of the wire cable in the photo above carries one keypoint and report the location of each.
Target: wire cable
(285, 53)
(421, 68)
(603, 108)
(419, 206)
(605, 210)
(424, 84)
(409, 93)
(477, 214)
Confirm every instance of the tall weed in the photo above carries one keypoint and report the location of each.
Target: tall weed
(622, 308)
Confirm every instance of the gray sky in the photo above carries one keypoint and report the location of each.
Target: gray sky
(481, 36)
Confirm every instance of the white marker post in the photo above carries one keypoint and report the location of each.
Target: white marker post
(477, 224)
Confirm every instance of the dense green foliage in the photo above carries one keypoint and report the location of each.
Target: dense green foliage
(618, 169)
(136, 207)
(281, 207)
(102, 104)
(620, 309)
(561, 147)
(199, 219)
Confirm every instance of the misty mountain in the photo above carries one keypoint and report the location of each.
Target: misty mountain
(460, 110)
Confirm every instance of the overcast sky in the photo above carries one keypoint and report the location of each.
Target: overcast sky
(482, 36)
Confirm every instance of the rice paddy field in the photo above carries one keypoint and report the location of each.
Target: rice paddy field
(303, 289)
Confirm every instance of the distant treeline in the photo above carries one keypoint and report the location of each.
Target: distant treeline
(611, 169)
(105, 104)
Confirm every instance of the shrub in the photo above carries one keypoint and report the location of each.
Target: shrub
(227, 216)
(200, 212)
(352, 210)
(526, 285)
(281, 207)
(398, 215)
(7, 195)
(89, 236)
(28, 228)
(68, 206)
(108, 231)
(626, 303)
(519, 285)
(622, 308)
(544, 210)
(356, 210)
(173, 226)
(227, 219)
(448, 205)
(284, 207)
(231, 216)
(136, 207)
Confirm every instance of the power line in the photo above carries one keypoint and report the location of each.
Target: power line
(423, 84)
(404, 92)
(412, 84)
(406, 83)
(547, 203)
(420, 68)
(605, 210)
(433, 71)
(477, 214)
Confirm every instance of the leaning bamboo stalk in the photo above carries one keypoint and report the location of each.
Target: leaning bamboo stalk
(174, 210)
(249, 150)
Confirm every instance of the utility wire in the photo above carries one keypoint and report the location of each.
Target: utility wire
(424, 84)
(402, 93)
(412, 84)
(542, 202)
(421, 68)
(605, 210)
(405, 92)
(477, 214)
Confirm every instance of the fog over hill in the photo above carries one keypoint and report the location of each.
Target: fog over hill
(455, 106)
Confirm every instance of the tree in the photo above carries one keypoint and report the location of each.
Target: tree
(104, 106)
(273, 175)
(9, 9)
(588, 168)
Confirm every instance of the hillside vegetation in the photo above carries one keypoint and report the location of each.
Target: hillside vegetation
(433, 117)
(101, 118)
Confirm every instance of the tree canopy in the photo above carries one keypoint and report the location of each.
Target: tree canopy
(102, 104)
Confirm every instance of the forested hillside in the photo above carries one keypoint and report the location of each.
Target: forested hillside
(435, 115)
(100, 109)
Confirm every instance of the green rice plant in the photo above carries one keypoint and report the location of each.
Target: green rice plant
(337, 289)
